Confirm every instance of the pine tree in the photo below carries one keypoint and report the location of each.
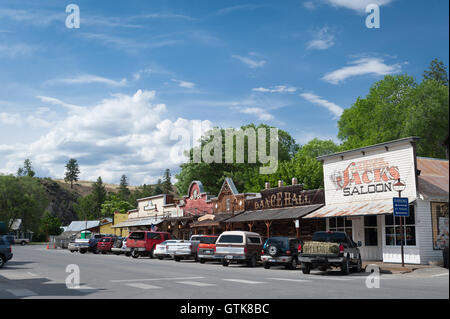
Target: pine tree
(437, 71)
(72, 172)
(158, 190)
(99, 195)
(166, 183)
(124, 192)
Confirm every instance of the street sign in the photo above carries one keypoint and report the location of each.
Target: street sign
(401, 207)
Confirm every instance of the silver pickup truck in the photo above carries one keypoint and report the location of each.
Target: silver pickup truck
(184, 249)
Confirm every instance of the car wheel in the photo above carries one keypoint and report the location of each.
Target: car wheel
(22, 243)
(151, 254)
(72, 251)
(177, 259)
(135, 254)
(358, 267)
(128, 254)
(225, 263)
(2, 261)
(306, 268)
(266, 266)
(160, 257)
(293, 264)
(345, 267)
(201, 260)
(103, 252)
(252, 261)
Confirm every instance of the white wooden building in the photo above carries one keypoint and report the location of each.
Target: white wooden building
(359, 200)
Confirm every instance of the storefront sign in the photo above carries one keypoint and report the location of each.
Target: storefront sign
(401, 207)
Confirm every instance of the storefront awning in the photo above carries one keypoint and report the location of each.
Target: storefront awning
(274, 214)
(374, 207)
(139, 222)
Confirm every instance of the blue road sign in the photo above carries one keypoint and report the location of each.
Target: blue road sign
(401, 207)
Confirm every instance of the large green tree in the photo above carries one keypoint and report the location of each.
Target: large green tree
(115, 204)
(85, 208)
(166, 182)
(398, 107)
(27, 169)
(124, 192)
(72, 172)
(98, 195)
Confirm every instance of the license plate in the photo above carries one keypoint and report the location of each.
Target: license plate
(272, 260)
(207, 252)
(229, 257)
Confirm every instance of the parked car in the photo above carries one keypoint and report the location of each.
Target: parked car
(93, 242)
(206, 248)
(120, 247)
(187, 249)
(21, 241)
(161, 249)
(240, 247)
(10, 239)
(5, 251)
(280, 251)
(143, 243)
(329, 249)
(72, 247)
(105, 244)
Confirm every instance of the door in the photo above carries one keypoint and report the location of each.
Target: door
(370, 237)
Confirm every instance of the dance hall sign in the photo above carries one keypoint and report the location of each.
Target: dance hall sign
(370, 178)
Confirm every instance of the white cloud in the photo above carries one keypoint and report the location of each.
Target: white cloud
(251, 63)
(124, 134)
(276, 89)
(17, 49)
(356, 5)
(315, 99)
(184, 84)
(88, 79)
(260, 113)
(310, 5)
(375, 66)
(322, 40)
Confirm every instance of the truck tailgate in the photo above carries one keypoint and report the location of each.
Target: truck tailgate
(226, 250)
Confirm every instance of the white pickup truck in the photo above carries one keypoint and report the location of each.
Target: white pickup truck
(21, 241)
(184, 249)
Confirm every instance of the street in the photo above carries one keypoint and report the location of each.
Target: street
(35, 272)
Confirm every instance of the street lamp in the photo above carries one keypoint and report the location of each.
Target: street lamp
(400, 187)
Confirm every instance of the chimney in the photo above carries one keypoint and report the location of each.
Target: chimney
(267, 185)
(294, 181)
(280, 183)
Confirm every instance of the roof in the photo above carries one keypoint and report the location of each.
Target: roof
(374, 207)
(274, 214)
(80, 225)
(139, 222)
(371, 147)
(433, 181)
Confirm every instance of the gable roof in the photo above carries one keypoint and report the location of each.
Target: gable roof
(433, 181)
(80, 225)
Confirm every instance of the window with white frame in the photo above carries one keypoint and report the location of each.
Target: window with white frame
(370, 231)
(394, 235)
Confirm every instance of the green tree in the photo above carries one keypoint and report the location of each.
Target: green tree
(158, 190)
(141, 192)
(72, 172)
(50, 225)
(124, 192)
(437, 71)
(22, 197)
(98, 195)
(26, 170)
(115, 204)
(85, 208)
(166, 182)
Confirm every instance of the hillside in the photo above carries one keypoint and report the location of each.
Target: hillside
(84, 188)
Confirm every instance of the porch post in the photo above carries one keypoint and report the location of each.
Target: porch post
(268, 223)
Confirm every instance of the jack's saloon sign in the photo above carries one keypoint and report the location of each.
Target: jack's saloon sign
(366, 177)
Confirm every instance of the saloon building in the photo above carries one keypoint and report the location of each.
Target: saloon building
(359, 192)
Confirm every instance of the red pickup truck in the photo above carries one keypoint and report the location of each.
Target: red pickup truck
(142, 243)
(105, 244)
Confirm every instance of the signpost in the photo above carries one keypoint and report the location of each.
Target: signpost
(401, 210)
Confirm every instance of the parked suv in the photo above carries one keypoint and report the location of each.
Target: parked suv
(280, 251)
(143, 243)
(240, 247)
(105, 244)
(330, 249)
(5, 251)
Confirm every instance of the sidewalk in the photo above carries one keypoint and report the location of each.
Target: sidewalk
(391, 268)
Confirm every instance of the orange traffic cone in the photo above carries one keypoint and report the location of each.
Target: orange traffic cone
(47, 245)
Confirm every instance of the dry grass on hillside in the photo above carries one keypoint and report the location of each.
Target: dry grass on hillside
(85, 187)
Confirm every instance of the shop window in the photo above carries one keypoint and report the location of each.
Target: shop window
(370, 231)
(394, 235)
(228, 205)
(439, 218)
(342, 224)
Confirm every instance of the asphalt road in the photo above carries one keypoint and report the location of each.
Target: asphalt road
(35, 272)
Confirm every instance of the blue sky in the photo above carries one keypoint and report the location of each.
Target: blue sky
(110, 92)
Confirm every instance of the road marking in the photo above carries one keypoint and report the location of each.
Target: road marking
(156, 279)
(195, 283)
(287, 279)
(329, 278)
(142, 286)
(438, 275)
(245, 281)
(18, 275)
(21, 292)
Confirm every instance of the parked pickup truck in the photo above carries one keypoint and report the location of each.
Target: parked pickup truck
(185, 249)
(143, 243)
(240, 247)
(206, 248)
(105, 244)
(21, 241)
(330, 249)
(82, 245)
